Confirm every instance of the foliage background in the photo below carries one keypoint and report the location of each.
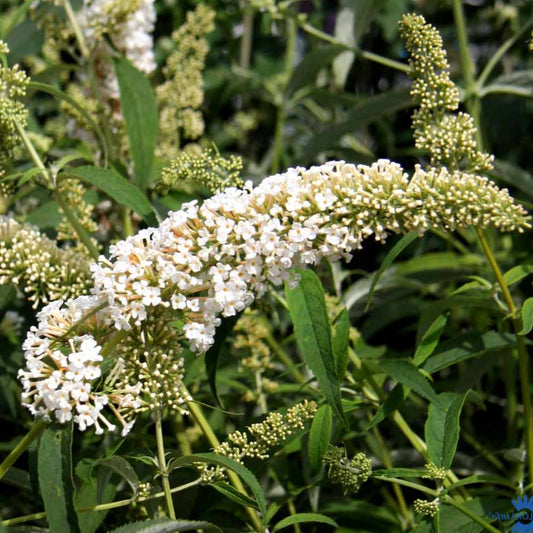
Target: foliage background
(331, 105)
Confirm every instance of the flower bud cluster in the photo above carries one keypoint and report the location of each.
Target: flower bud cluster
(448, 137)
(427, 508)
(181, 95)
(350, 474)
(435, 472)
(13, 84)
(261, 438)
(208, 168)
(34, 263)
(250, 334)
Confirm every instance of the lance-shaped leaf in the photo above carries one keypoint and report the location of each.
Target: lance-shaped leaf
(55, 479)
(442, 428)
(140, 114)
(309, 315)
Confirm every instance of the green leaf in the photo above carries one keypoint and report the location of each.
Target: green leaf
(233, 494)
(394, 252)
(87, 497)
(118, 188)
(306, 71)
(55, 479)
(517, 273)
(483, 478)
(340, 340)
(319, 435)
(50, 89)
(436, 308)
(466, 346)
(46, 216)
(442, 428)
(220, 460)
(527, 317)
(140, 114)
(163, 525)
(300, 518)
(409, 376)
(367, 110)
(28, 175)
(345, 33)
(120, 466)
(430, 339)
(212, 355)
(393, 400)
(313, 334)
(453, 520)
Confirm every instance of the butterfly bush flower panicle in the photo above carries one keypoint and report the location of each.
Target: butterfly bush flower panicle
(448, 137)
(213, 260)
(261, 439)
(167, 288)
(38, 267)
(181, 95)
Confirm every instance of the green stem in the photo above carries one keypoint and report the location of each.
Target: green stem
(524, 92)
(370, 56)
(247, 35)
(280, 105)
(103, 506)
(82, 234)
(498, 55)
(410, 484)
(49, 89)
(198, 415)
(163, 470)
(21, 447)
(285, 359)
(472, 100)
(462, 36)
(126, 219)
(523, 357)
(77, 30)
(38, 162)
(385, 456)
(292, 511)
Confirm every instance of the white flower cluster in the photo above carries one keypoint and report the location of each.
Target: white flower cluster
(129, 24)
(215, 259)
(58, 382)
(168, 287)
